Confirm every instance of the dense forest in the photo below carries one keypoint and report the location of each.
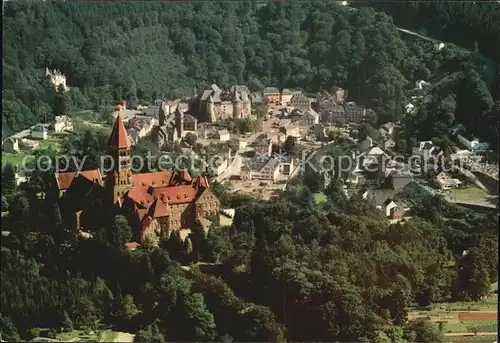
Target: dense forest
(153, 50)
(288, 269)
(467, 23)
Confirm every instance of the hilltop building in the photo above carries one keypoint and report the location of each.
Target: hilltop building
(155, 203)
(56, 78)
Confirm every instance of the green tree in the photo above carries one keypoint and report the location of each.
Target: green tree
(66, 323)
(190, 138)
(199, 322)
(8, 331)
(8, 179)
(421, 330)
(129, 309)
(149, 334)
(121, 232)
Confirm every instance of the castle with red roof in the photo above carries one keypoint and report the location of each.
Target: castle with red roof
(155, 203)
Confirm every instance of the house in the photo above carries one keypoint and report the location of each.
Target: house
(310, 117)
(374, 160)
(10, 145)
(446, 182)
(39, 132)
(132, 246)
(156, 203)
(286, 96)
(300, 102)
(222, 135)
(264, 146)
(20, 178)
(62, 123)
(286, 165)
(219, 166)
(393, 210)
(388, 128)
(270, 170)
(471, 143)
(238, 144)
(272, 95)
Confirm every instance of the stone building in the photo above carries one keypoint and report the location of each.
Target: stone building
(56, 78)
(156, 203)
(173, 123)
(216, 104)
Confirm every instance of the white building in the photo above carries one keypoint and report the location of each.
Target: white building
(445, 182)
(62, 123)
(222, 135)
(311, 117)
(39, 132)
(219, 166)
(473, 144)
(269, 171)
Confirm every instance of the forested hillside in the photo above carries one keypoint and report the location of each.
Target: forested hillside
(156, 50)
(467, 23)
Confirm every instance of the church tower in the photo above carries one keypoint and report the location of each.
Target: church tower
(119, 179)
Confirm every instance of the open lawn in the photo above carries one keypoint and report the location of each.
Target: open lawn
(319, 198)
(14, 159)
(467, 194)
(470, 326)
(86, 115)
(462, 317)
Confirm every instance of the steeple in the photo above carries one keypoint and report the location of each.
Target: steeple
(119, 138)
(119, 179)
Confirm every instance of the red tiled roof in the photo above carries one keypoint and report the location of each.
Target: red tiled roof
(176, 195)
(155, 179)
(140, 196)
(158, 209)
(184, 174)
(132, 245)
(64, 180)
(203, 182)
(119, 136)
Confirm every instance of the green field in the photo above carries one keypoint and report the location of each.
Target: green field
(470, 325)
(14, 159)
(54, 141)
(447, 313)
(467, 194)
